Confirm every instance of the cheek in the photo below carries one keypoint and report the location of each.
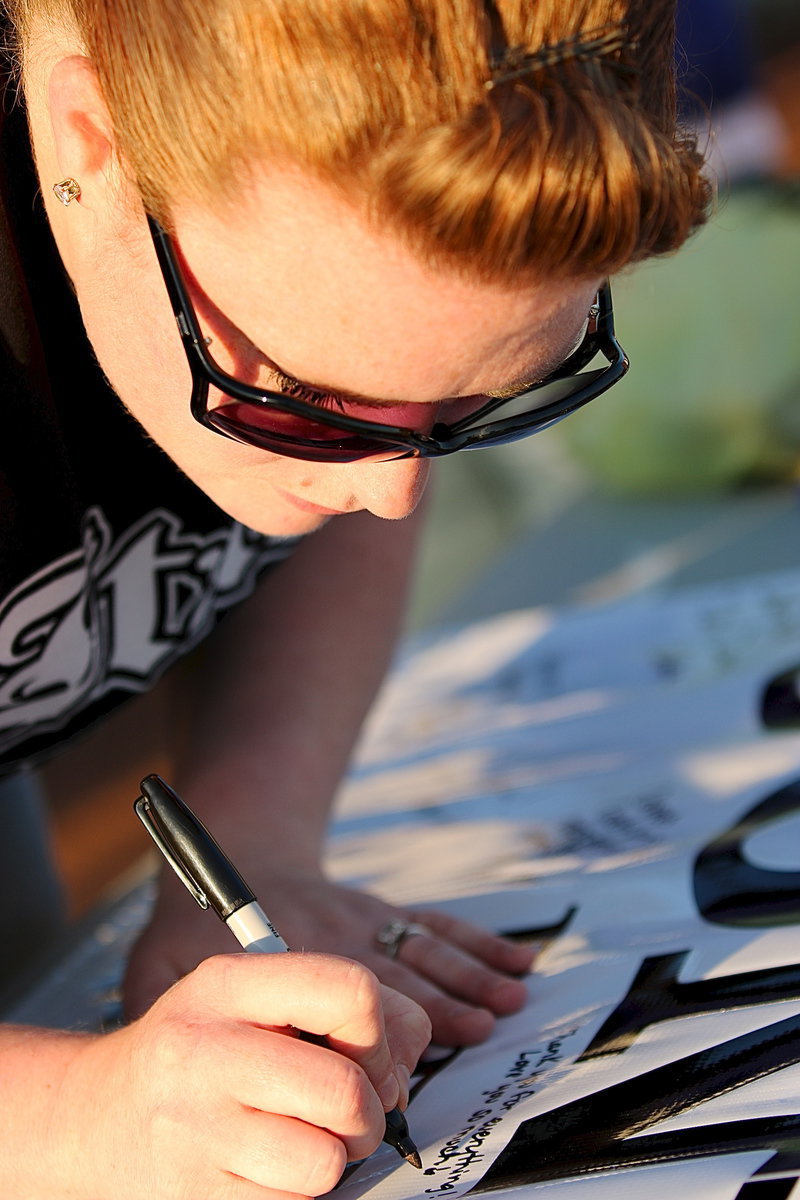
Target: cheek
(143, 360)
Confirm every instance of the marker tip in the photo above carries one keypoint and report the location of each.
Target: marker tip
(413, 1157)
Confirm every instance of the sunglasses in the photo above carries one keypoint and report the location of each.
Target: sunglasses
(284, 424)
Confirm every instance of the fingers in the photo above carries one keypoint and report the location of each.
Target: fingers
(408, 1033)
(454, 1022)
(216, 1082)
(334, 998)
(463, 976)
(498, 952)
(452, 968)
(284, 1155)
(269, 1073)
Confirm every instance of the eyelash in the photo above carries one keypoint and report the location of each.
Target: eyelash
(301, 391)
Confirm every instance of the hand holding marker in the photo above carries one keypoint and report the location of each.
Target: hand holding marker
(214, 882)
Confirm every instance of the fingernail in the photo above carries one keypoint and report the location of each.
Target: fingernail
(387, 1091)
(404, 1083)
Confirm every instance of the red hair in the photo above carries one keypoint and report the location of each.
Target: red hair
(571, 167)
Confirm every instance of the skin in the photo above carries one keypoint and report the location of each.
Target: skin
(277, 776)
(384, 325)
(370, 319)
(214, 1059)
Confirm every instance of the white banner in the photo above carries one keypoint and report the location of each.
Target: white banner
(622, 786)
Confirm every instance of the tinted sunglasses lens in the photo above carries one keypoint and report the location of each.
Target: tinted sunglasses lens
(535, 404)
(296, 437)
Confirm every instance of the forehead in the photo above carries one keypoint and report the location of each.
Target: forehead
(306, 277)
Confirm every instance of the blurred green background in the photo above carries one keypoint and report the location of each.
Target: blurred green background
(713, 397)
(701, 441)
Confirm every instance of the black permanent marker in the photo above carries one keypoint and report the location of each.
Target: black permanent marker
(215, 883)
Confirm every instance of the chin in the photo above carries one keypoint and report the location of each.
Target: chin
(289, 528)
(269, 516)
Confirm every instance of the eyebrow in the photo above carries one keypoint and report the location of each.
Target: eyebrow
(344, 395)
(348, 397)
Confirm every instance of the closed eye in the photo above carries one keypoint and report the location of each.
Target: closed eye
(516, 389)
(289, 386)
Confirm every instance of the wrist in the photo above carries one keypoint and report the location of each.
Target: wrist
(44, 1122)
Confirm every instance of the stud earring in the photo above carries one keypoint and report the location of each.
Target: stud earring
(67, 190)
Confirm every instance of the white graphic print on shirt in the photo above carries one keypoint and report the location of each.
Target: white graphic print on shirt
(115, 614)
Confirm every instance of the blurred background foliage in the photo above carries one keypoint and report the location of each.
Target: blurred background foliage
(713, 396)
(713, 332)
(710, 411)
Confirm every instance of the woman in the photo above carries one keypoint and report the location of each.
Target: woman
(380, 226)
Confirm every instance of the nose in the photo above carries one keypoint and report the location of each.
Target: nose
(390, 489)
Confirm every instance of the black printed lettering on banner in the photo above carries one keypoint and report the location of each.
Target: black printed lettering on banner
(656, 995)
(731, 891)
(598, 1132)
(605, 1131)
(780, 702)
(767, 1189)
(541, 934)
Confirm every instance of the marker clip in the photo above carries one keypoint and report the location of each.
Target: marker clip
(141, 807)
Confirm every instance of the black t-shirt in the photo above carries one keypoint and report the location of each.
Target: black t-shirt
(112, 563)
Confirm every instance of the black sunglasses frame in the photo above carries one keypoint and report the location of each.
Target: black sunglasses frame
(382, 440)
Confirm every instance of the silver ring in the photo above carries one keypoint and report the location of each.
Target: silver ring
(391, 937)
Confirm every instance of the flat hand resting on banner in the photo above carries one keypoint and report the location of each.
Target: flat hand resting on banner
(464, 976)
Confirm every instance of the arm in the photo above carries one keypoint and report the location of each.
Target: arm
(212, 1064)
(285, 692)
(289, 685)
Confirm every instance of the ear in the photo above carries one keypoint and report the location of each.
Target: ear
(83, 139)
